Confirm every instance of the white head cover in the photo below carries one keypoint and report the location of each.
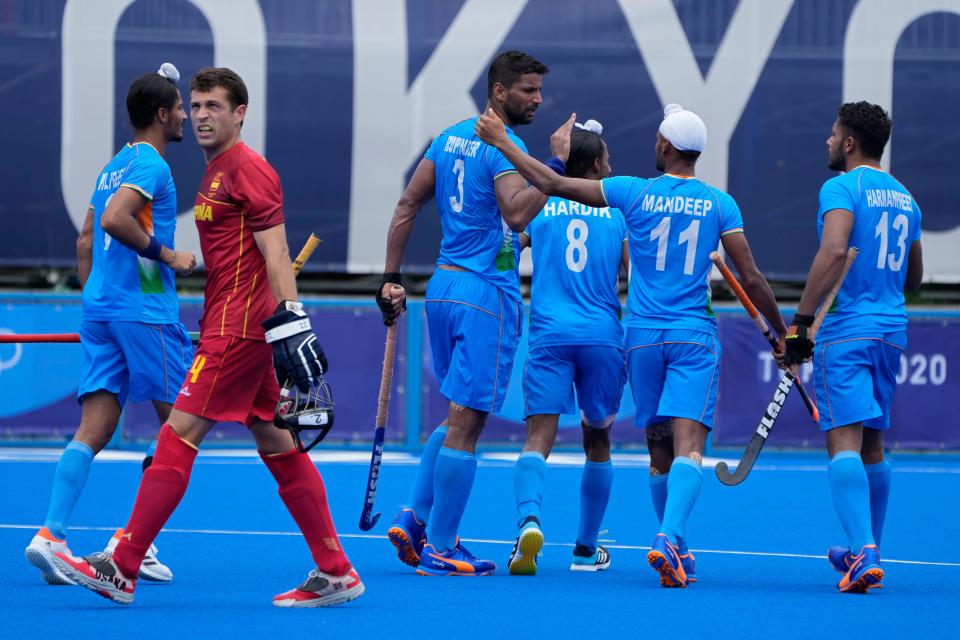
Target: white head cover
(684, 129)
(169, 72)
(590, 125)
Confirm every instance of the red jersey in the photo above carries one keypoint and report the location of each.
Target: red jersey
(239, 194)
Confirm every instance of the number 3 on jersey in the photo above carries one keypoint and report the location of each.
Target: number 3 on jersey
(576, 254)
(457, 203)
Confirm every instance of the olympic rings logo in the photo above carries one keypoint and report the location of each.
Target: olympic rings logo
(11, 362)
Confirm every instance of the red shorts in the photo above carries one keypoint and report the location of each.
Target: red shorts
(230, 380)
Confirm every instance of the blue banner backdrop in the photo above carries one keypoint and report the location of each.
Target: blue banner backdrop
(38, 382)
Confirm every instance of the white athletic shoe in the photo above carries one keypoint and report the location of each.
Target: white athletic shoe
(39, 553)
(151, 570)
(322, 590)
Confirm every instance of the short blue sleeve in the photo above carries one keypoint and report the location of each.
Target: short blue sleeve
(621, 223)
(916, 228)
(431, 153)
(834, 194)
(619, 192)
(146, 176)
(731, 220)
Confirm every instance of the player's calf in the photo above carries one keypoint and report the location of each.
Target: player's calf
(322, 590)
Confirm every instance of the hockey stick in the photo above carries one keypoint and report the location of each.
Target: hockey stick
(786, 383)
(308, 248)
(761, 324)
(367, 517)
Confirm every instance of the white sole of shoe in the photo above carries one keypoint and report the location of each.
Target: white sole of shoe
(326, 601)
(93, 585)
(50, 573)
(589, 567)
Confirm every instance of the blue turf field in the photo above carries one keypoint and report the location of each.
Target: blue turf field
(232, 546)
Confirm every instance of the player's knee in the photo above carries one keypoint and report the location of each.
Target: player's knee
(596, 442)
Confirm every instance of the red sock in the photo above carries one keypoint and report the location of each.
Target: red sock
(301, 489)
(161, 488)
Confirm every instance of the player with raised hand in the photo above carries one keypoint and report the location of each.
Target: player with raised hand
(473, 305)
(135, 347)
(251, 324)
(576, 343)
(857, 354)
(675, 221)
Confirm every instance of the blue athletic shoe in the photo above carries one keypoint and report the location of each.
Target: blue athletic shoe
(526, 549)
(840, 559)
(864, 574)
(455, 562)
(587, 559)
(689, 562)
(408, 535)
(665, 560)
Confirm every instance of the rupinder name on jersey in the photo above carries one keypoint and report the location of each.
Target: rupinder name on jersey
(570, 208)
(110, 180)
(889, 199)
(203, 212)
(773, 409)
(698, 207)
(462, 146)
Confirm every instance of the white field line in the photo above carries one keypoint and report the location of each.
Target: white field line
(370, 536)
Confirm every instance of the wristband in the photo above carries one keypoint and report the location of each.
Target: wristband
(152, 250)
(802, 321)
(558, 165)
(391, 276)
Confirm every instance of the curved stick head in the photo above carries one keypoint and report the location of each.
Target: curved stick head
(367, 521)
(724, 475)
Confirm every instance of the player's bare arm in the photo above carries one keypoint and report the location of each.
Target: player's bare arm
(625, 260)
(272, 244)
(490, 129)
(418, 191)
(120, 221)
(758, 289)
(828, 263)
(85, 248)
(914, 267)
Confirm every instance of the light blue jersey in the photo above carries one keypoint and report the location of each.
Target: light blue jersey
(122, 285)
(577, 251)
(675, 223)
(475, 237)
(886, 220)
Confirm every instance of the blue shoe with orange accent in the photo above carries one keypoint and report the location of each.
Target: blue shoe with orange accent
(864, 574)
(840, 559)
(689, 562)
(408, 535)
(665, 560)
(455, 562)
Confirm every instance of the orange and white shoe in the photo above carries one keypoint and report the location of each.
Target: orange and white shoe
(99, 573)
(151, 569)
(40, 552)
(322, 590)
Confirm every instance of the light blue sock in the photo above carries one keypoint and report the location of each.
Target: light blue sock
(851, 497)
(595, 487)
(528, 478)
(421, 493)
(152, 449)
(683, 488)
(68, 483)
(878, 477)
(452, 482)
(658, 493)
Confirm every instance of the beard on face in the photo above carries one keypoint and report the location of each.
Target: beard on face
(518, 116)
(835, 161)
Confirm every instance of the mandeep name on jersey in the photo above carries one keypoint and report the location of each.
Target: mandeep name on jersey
(676, 204)
(462, 146)
(571, 208)
(110, 180)
(889, 199)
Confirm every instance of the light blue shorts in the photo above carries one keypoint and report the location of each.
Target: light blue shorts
(855, 379)
(598, 372)
(133, 360)
(674, 373)
(474, 332)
